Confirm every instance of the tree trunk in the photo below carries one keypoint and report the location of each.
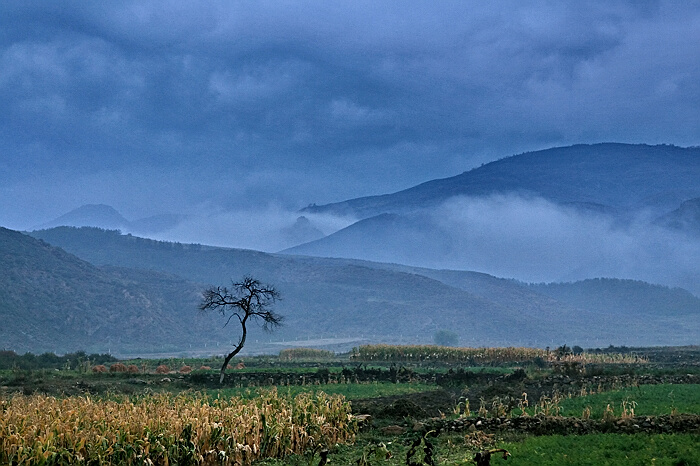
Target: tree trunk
(235, 351)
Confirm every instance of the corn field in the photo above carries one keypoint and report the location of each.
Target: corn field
(290, 354)
(167, 429)
(444, 353)
(478, 356)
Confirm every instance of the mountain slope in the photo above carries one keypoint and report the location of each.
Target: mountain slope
(406, 239)
(674, 308)
(634, 297)
(562, 214)
(610, 176)
(327, 298)
(320, 297)
(52, 301)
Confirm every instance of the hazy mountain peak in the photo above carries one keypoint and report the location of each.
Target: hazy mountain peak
(302, 231)
(686, 217)
(108, 218)
(90, 215)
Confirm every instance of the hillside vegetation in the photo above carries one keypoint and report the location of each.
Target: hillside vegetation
(52, 301)
(338, 304)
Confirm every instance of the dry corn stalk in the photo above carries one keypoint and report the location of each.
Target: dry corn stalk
(165, 428)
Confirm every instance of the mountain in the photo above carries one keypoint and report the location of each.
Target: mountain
(321, 297)
(630, 296)
(406, 239)
(107, 217)
(610, 177)
(302, 231)
(52, 301)
(675, 309)
(95, 215)
(343, 302)
(557, 215)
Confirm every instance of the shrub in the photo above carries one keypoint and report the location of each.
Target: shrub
(446, 338)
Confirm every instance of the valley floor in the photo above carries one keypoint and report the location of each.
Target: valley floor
(418, 413)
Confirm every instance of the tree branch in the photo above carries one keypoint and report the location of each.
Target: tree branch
(246, 299)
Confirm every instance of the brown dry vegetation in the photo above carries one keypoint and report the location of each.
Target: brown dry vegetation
(118, 367)
(479, 356)
(165, 428)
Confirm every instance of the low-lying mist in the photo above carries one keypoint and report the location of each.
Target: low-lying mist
(537, 241)
(270, 229)
(529, 239)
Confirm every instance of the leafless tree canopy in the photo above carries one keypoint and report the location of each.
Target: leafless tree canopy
(247, 299)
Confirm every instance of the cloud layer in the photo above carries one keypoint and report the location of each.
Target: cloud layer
(537, 241)
(164, 106)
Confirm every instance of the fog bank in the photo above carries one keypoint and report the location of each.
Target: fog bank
(529, 239)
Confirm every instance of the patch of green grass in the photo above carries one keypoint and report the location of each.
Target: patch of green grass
(351, 391)
(604, 449)
(650, 400)
(585, 450)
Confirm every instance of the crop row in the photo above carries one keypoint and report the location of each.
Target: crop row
(163, 429)
(477, 356)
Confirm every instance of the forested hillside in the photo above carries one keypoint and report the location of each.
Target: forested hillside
(350, 301)
(52, 301)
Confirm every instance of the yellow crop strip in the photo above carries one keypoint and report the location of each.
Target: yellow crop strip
(487, 355)
(164, 428)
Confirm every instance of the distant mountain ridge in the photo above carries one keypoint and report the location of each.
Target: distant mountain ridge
(107, 217)
(608, 175)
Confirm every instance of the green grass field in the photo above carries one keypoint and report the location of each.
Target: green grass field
(649, 400)
(349, 391)
(604, 449)
(554, 450)
(452, 448)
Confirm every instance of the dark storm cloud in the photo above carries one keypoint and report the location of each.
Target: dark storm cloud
(167, 106)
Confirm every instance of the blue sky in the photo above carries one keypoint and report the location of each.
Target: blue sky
(180, 106)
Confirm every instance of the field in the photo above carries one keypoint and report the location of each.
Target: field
(375, 406)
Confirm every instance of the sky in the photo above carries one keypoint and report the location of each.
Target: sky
(232, 108)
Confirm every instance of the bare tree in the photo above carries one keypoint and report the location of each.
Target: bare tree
(247, 299)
